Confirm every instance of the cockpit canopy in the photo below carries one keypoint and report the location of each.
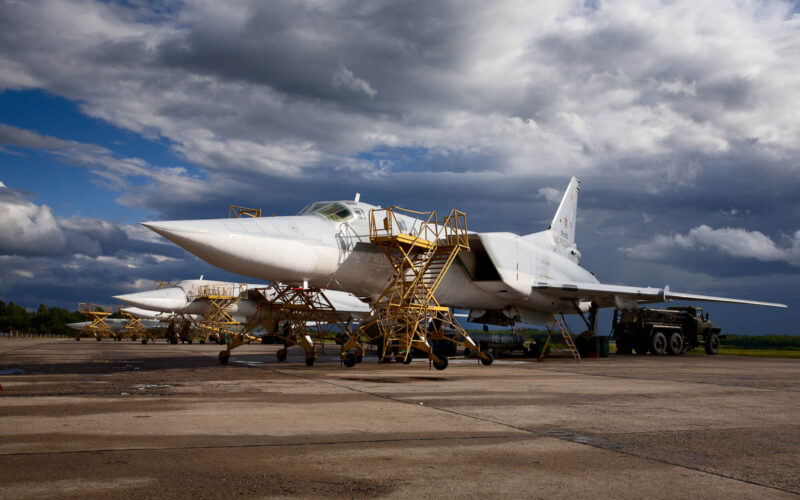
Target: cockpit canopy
(336, 211)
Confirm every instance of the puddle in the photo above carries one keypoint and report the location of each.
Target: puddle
(250, 363)
(389, 380)
(18, 371)
(143, 387)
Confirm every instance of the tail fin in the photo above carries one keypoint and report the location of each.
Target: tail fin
(563, 225)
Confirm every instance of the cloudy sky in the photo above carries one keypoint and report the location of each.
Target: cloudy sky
(681, 119)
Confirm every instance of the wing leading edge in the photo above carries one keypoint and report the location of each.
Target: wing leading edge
(627, 296)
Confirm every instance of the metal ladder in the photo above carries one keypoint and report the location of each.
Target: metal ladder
(558, 320)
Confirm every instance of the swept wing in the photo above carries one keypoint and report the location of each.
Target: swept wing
(626, 296)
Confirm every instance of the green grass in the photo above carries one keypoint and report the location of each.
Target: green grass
(737, 351)
(761, 353)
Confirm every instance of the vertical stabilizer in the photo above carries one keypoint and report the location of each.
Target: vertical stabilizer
(563, 225)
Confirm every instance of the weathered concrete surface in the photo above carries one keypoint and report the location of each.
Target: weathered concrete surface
(121, 419)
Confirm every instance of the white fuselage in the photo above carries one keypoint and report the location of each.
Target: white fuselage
(338, 255)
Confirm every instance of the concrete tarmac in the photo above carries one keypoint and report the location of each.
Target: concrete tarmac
(124, 420)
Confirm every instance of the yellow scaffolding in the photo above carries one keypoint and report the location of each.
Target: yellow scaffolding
(134, 328)
(407, 314)
(295, 315)
(217, 322)
(97, 326)
(236, 212)
(159, 284)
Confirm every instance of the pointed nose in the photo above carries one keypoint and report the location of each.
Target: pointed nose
(138, 312)
(290, 249)
(164, 300)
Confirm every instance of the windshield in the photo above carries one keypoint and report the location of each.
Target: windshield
(330, 210)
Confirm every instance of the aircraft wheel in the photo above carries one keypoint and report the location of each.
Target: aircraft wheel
(310, 361)
(281, 355)
(658, 343)
(359, 358)
(675, 344)
(224, 357)
(144, 341)
(77, 339)
(349, 360)
(202, 341)
(189, 341)
(408, 359)
(712, 344)
(441, 364)
(97, 339)
(488, 360)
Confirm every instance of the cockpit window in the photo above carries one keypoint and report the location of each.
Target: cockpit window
(330, 210)
(312, 208)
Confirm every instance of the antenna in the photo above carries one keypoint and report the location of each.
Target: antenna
(358, 197)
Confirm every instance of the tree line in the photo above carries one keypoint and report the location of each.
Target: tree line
(45, 320)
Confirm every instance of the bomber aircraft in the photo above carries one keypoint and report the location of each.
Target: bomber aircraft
(192, 301)
(187, 297)
(503, 279)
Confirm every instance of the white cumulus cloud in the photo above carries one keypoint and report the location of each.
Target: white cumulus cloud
(735, 242)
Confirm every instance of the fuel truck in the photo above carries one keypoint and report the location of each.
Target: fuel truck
(673, 331)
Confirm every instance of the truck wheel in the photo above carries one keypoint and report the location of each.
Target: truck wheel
(675, 344)
(712, 344)
(658, 343)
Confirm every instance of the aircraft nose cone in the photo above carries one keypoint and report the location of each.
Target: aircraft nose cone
(164, 300)
(291, 249)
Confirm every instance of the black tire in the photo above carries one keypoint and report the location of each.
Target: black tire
(202, 341)
(642, 346)
(189, 341)
(408, 359)
(675, 343)
(441, 364)
(281, 355)
(349, 360)
(487, 360)
(658, 343)
(310, 361)
(359, 358)
(712, 344)
(224, 357)
(144, 341)
(97, 339)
